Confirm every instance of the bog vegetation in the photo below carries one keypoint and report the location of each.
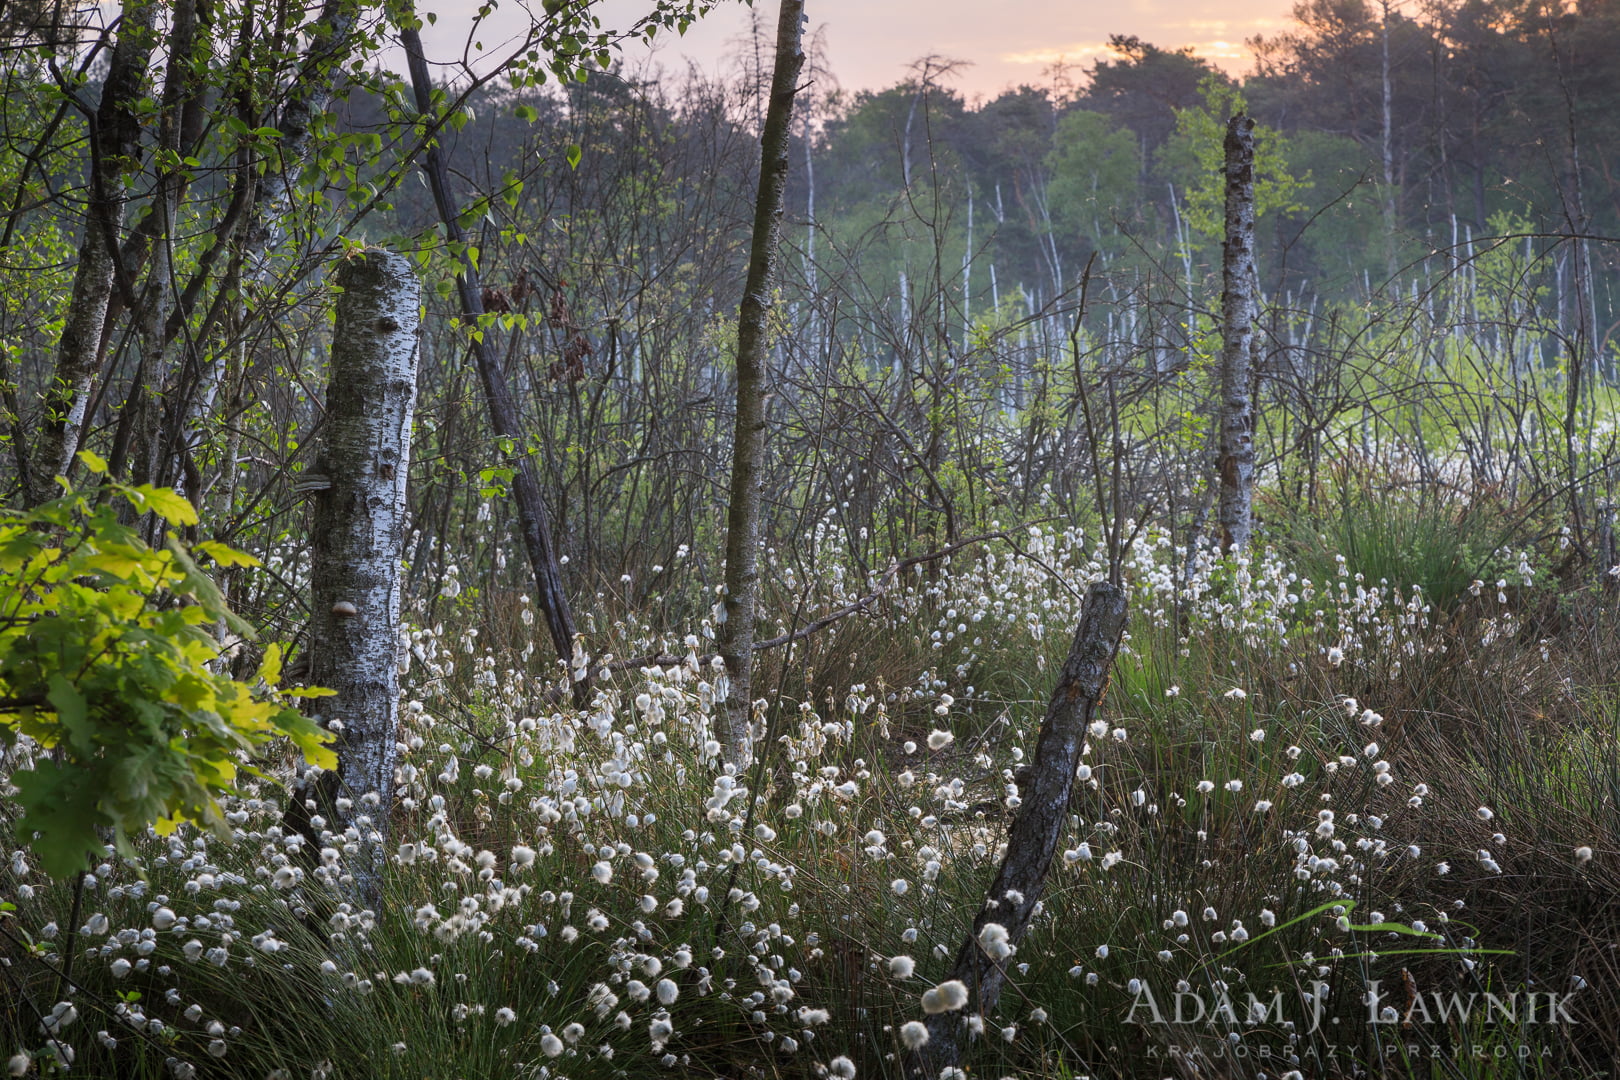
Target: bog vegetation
(1348, 806)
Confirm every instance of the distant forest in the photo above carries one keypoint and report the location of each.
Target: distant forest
(1395, 148)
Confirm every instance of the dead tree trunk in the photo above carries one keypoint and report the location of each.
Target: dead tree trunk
(533, 518)
(1235, 463)
(358, 541)
(736, 632)
(115, 144)
(1038, 824)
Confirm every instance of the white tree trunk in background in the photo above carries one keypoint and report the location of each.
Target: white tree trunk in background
(1235, 463)
(359, 534)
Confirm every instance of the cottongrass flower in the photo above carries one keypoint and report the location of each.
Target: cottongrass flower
(1583, 854)
(602, 872)
(504, 1016)
(946, 997)
(1484, 813)
(841, 1068)
(902, 967)
(996, 942)
(939, 740)
(550, 1045)
(914, 1035)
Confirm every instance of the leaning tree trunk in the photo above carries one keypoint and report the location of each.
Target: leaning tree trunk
(114, 148)
(1235, 463)
(1032, 840)
(358, 538)
(533, 518)
(736, 632)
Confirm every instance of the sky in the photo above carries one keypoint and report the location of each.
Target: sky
(870, 44)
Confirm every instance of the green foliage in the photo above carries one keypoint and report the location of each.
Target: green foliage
(107, 664)
(1440, 547)
(1094, 177)
(1195, 155)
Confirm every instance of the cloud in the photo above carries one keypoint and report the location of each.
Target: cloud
(1220, 41)
(1079, 50)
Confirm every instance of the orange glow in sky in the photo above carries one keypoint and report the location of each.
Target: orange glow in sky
(870, 44)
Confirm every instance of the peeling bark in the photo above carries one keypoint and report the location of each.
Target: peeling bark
(1235, 460)
(1037, 826)
(358, 541)
(735, 639)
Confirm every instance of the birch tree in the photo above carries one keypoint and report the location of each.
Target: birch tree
(736, 631)
(115, 155)
(358, 536)
(1235, 461)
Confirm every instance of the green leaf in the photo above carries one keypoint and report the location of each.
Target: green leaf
(574, 155)
(166, 503)
(71, 709)
(225, 555)
(94, 462)
(270, 666)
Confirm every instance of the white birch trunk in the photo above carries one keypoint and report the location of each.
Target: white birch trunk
(358, 542)
(1235, 460)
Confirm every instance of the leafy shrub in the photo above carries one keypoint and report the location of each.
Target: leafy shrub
(105, 673)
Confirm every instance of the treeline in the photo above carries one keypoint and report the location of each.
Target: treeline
(1396, 149)
(1450, 171)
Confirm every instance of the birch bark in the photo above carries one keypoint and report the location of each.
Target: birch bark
(358, 540)
(1235, 463)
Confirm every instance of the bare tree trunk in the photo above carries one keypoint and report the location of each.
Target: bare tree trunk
(114, 146)
(1387, 152)
(1235, 463)
(1037, 826)
(533, 518)
(358, 538)
(736, 632)
(191, 397)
